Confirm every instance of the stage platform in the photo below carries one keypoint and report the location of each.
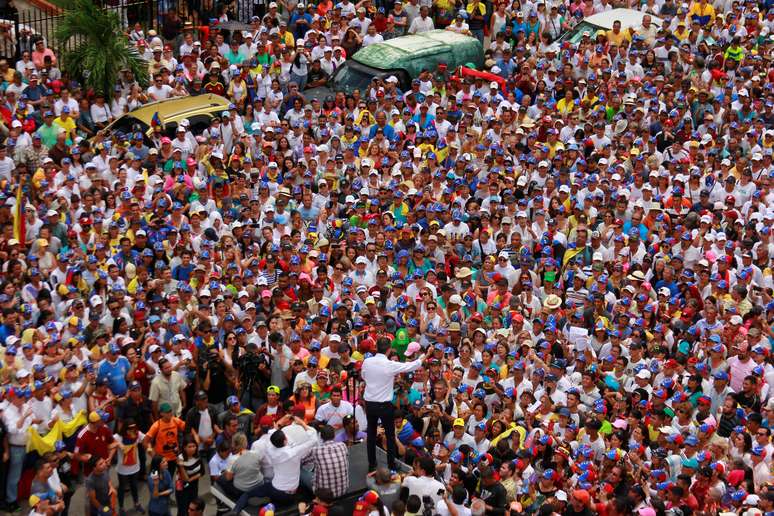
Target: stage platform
(358, 471)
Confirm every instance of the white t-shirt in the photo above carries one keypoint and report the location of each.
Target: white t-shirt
(424, 486)
(162, 92)
(218, 464)
(442, 510)
(370, 40)
(127, 454)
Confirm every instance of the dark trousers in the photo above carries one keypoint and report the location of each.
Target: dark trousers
(384, 412)
(280, 498)
(125, 481)
(141, 454)
(184, 496)
(242, 497)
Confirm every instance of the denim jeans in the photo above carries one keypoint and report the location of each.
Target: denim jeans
(15, 466)
(242, 497)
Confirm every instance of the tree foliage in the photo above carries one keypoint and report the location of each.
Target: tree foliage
(98, 48)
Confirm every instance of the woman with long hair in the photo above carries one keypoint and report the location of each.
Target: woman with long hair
(303, 397)
(128, 467)
(160, 487)
(190, 469)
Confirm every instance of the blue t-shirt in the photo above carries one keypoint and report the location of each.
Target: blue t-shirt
(115, 374)
(182, 272)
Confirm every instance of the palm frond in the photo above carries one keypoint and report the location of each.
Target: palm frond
(99, 49)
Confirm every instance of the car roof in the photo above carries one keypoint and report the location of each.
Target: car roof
(627, 17)
(173, 109)
(390, 53)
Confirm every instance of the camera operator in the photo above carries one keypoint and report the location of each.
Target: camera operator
(254, 376)
(213, 377)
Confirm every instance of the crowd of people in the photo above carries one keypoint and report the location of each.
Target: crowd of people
(549, 293)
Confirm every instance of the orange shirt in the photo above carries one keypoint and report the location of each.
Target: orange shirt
(165, 437)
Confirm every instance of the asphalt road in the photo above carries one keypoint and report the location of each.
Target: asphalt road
(78, 502)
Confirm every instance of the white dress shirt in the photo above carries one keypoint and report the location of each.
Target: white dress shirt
(260, 446)
(287, 462)
(421, 25)
(17, 436)
(379, 372)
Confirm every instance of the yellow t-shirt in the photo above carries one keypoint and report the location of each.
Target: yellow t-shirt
(68, 125)
(617, 39)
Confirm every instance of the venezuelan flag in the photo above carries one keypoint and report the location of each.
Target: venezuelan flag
(45, 443)
(155, 120)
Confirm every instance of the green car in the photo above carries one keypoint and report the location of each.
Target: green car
(404, 57)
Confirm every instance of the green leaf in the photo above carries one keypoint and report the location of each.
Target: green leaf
(98, 47)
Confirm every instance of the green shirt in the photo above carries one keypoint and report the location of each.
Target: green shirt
(48, 134)
(235, 58)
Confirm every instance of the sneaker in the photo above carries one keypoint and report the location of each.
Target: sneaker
(14, 507)
(121, 512)
(139, 509)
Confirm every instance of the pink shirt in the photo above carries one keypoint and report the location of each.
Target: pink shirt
(739, 371)
(38, 57)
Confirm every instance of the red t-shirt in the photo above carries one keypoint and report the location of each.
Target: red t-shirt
(95, 443)
(143, 374)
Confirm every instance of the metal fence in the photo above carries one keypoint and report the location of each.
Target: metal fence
(20, 29)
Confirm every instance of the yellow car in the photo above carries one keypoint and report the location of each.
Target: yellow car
(199, 110)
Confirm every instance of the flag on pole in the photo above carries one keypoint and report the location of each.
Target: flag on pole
(19, 230)
(155, 120)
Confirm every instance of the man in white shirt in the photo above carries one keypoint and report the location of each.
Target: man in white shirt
(421, 23)
(761, 470)
(206, 427)
(6, 163)
(378, 373)
(347, 8)
(333, 412)
(372, 36)
(158, 90)
(287, 462)
(458, 436)
(458, 497)
(266, 425)
(423, 483)
(17, 417)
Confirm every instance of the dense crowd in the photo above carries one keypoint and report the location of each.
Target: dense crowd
(572, 262)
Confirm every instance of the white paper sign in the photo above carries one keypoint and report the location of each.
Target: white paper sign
(579, 338)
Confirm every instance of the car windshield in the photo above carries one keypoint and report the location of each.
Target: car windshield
(129, 124)
(576, 33)
(353, 75)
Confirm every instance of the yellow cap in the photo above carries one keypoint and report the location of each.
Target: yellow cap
(73, 321)
(34, 500)
(94, 417)
(42, 242)
(459, 422)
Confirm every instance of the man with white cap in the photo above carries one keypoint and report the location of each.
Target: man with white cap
(361, 275)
